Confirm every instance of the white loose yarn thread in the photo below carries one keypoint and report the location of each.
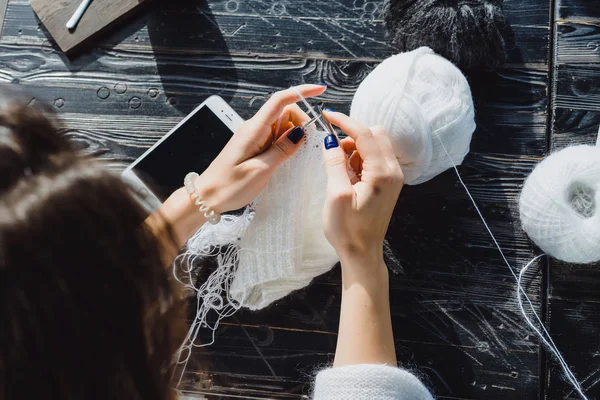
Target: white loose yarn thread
(545, 337)
(213, 297)
(549, 343)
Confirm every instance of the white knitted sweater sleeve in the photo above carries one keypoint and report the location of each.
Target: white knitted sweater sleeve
(369, 382)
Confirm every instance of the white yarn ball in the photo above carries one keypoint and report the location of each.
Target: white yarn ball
(558, 204)
(417, 96)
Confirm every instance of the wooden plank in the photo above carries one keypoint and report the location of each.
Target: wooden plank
(98, 18)
(574, 297)
(577, 10)
(577, 87)
(579, 42)
(573, 126)
(573, 294)
(574, 322)
(3, 7)
(474, 372)
(454, 312)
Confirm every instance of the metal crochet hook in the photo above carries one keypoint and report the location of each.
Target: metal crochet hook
(72, 23)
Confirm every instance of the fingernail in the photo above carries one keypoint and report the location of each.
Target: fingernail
(296, 135)
(328, 109)
(331, 142)
(322, 84)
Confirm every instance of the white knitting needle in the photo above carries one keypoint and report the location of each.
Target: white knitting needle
(78, 14)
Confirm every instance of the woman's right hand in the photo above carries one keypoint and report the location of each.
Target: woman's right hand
(355, 220)
(356, 216)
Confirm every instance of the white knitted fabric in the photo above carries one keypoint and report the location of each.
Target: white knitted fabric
(284, 247)
(369, 382)
(422, 100)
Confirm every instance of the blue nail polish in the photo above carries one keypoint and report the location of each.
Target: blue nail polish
(331, 142)
(296, 135)
(322, 84)
(329, 109)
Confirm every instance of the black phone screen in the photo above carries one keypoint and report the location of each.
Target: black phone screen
(191, 148)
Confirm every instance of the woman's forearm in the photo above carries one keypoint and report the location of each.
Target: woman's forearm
(365, 332)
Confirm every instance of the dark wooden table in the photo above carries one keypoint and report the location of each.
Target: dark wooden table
(454, 310)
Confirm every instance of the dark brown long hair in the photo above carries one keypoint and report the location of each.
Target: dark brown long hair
(87, 309)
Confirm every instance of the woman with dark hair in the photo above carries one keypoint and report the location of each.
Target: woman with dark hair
(87, 309)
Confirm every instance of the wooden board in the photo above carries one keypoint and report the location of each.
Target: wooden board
(99, 17)
(456, 320)
(574, 290)
(3, 6)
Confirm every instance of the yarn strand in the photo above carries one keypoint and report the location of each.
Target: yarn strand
(213, 299)
(547, 339)
(550, 344)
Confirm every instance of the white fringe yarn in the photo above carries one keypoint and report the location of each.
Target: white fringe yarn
(213, 299)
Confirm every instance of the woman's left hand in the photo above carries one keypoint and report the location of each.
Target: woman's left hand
(244, 166)
(240, 171)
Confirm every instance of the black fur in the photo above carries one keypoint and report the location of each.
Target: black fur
(466, 32)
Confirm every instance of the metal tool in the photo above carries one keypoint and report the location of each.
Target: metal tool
(310, 122)
(78, 14)
(327, 123)
(324, 120)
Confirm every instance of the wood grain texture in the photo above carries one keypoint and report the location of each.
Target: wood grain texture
(574, 290)
(293, 28)
(99, 16)
(455, 316)
(3, 7)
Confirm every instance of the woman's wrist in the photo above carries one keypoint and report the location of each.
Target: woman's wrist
(182, 216)
(210, 194)
(365, 332)
(353, 258)
(367, 269)
(174, 223)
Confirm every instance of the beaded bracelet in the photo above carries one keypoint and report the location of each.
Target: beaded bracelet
(212, 216)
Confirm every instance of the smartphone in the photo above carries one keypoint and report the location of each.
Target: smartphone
(189, 147)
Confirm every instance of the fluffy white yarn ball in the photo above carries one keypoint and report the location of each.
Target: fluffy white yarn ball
(559, 204)
(419, 97)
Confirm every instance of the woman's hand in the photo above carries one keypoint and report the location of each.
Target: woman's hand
(355, 219)
(242, 169)
(356, 216)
